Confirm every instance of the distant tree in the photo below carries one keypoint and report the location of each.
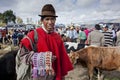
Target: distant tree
(1, 20)
(19, 20)
(8, 16)
(1, 17)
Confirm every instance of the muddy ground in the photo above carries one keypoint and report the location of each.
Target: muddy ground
(80, 73)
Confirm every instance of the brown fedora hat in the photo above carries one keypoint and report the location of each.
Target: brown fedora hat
(48, 10)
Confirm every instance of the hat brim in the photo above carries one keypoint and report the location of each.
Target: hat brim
(47, 16)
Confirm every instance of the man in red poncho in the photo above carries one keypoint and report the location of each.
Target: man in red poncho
(48, 40)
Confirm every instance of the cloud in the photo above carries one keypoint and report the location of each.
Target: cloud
(67, 10)
(6, 3)
(106, 2)
(110, 5)
(85, 3)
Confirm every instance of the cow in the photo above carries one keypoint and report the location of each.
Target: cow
(72, 46)
(7, 65)
(103, 58)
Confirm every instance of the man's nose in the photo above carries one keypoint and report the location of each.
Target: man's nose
(50, 21)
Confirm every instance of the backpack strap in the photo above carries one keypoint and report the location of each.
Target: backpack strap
(34, 43)
(35, 36)
(31, 43)
(35, 40)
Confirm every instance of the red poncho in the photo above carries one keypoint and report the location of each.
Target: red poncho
(52, 42)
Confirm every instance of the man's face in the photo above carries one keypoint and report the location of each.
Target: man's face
(105, 29)
(49, 23)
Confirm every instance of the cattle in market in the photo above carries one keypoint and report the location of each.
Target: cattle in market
(7, 65)
(72, 46)
(102, 58)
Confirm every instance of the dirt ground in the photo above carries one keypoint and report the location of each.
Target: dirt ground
(80, 73)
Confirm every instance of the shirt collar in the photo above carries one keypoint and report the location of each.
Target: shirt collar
(46, 30)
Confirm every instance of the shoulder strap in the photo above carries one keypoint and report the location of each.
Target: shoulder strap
(35, 40)
(33, 43)
(35, 36)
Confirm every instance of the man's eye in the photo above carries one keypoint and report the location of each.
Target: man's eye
(50, 19)
(47, 19)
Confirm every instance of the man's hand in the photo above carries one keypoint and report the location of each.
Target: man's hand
(63, 78)
(53, 58)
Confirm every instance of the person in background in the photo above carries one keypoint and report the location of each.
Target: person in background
(14, 38)
(108, 36)
(71, 33)
(86, 31)
(114, 36)
(82, 36)
(20, 36)
(96, 38)
(48, 40)
(118, 37)
(75, 35)
(68, 35)
(0, 36)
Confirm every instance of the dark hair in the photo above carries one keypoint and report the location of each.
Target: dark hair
(62, 35)
(42, 18)
(82, 29)
(106, 26)
(97, 27)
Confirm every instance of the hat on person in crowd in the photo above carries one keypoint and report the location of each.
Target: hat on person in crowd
(97, 26)
(48, 10)
(105, 26)
(71, 27)
(67, 27)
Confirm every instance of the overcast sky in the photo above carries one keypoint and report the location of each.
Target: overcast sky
(67, 10)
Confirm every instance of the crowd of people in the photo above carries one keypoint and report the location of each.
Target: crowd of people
(100, 35)
(12, 36)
